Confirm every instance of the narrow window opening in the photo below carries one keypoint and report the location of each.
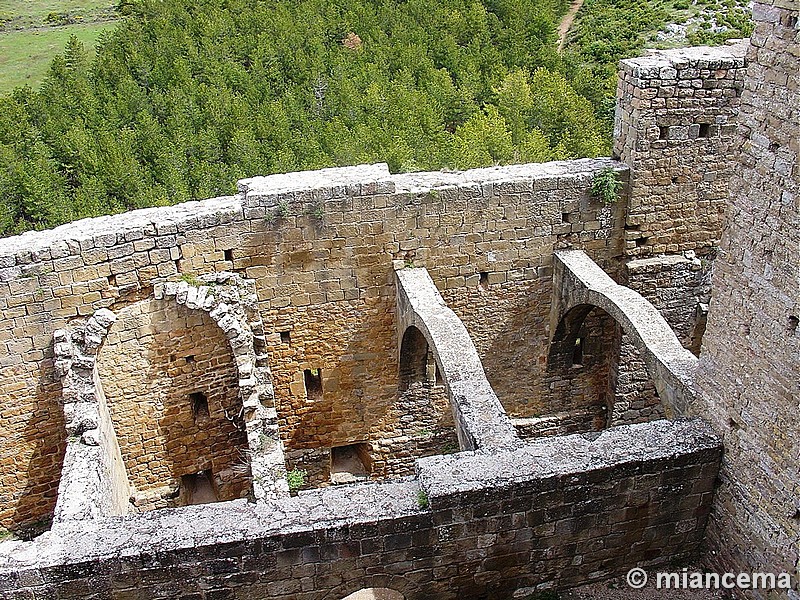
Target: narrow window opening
(793, 322)
(484, 280)
(663, 133)
(705, 130)
(199, 406)
(313, 381)
(577, 352)
(286, 337)
(439, 381)
(228, 255)
(112, 281)
(641, 242)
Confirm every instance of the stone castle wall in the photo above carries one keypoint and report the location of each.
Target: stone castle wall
(505, 525)
(324, 276)
(322, 248)
(750, 356)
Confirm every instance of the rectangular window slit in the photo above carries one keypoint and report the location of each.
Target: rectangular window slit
(229, 255)
(705, 130)
(313, 381)
(663, 133)
(577, 352)
(286, 337)
(484, 280)
(199, 406)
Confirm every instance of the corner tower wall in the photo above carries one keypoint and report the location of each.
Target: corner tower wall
(750, 358)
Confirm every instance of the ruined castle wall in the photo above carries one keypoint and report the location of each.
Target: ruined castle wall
(157, 354)
(322, 261)
(493, 524)
(750, 353)
(324, 274)
(674, 125)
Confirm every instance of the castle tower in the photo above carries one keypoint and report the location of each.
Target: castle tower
(750, 360)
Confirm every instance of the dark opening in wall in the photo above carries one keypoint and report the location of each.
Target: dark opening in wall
(705, 130)
(792, 21)
(198, 488)
(286, 337)
(413, 358)
(484, 281)
(663, 133)
(199, 406)
(642, 241)
(350, 463)
(189, 359)
(228, 255)
(577, 352)
(112, 281)
(313, 381)
(439, 380)
(793, 322)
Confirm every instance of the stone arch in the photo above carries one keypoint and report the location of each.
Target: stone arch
(171, 384)
(375, 594)
(594, 377)
(481, 421)
(399, 585)
(231, 303)
(579, 284)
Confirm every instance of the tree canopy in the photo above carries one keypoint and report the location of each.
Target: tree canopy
(184, 98)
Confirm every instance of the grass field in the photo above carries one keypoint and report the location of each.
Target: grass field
(32, 32)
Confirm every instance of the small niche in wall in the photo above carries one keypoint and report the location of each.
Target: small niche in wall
(663, 133)
(286, 338)
(577, 352)
(313, 382)
(198, 488)
(189, 359)
(791, 21)
(350, 463)
(199, 406)
(793, 322)
(704, 131)
(484, 280)
(228, 255)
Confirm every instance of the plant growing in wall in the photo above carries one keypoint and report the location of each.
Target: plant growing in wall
(422, 499)
(606, 186)
(296, 479)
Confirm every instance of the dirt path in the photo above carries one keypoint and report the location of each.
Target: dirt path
(566, 22)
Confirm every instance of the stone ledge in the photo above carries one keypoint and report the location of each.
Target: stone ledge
(447, 477)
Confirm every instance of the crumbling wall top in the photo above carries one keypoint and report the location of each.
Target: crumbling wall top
(699, 57)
